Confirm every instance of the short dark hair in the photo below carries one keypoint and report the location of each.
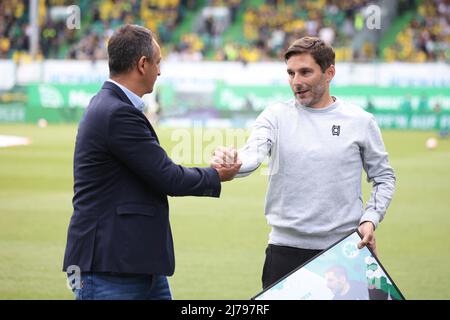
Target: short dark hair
(322, 53)
(126, 46)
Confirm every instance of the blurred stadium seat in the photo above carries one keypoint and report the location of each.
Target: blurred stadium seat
(426, 37)
(228, 30)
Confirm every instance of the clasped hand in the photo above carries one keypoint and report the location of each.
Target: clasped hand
(226, 162)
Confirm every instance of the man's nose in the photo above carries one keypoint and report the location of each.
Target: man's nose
(297, 80)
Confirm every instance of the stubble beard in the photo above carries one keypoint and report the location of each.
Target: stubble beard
(317, 92)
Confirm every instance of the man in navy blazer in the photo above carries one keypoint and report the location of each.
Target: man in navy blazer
(119, 239)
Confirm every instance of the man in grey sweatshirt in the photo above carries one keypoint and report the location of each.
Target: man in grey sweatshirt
(318, 146)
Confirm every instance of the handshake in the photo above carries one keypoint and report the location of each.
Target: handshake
(226, 162)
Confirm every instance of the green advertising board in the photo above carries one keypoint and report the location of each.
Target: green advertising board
(12, 112)
(411, 120)
(394, 107)
(392, 98)
(58, 103)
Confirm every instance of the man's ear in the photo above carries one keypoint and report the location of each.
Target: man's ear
(141, 64)
(330, 72)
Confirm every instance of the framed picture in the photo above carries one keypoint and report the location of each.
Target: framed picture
(341, 272)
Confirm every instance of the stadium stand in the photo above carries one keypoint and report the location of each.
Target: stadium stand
(228, 30)
(427, 35)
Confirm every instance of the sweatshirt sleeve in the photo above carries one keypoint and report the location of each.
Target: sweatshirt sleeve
(379, 173)
(259, 144)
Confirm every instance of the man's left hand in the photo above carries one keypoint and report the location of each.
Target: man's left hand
(367, 231)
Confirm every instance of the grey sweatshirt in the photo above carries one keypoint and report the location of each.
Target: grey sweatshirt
(316, 158)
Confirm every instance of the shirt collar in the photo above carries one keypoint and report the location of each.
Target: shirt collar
(328, 108)
(137, 101)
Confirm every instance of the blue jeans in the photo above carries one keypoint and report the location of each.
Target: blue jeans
(104, 286)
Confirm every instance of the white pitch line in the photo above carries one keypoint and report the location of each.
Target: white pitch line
(10, 141)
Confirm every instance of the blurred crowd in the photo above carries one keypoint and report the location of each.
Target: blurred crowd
(214, 19)
(427, 37)
(268, 27)
(271, 27)
(99, 18)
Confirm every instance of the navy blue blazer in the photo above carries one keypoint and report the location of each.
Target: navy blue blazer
(122, 178)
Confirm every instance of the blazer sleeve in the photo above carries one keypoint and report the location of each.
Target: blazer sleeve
(132, 142)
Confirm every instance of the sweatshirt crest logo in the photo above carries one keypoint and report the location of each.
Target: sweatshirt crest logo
(336, 130)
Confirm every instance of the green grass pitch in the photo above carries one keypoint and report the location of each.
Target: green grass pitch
(219, 243)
